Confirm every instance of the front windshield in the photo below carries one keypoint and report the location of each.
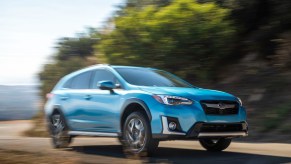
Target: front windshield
(151, 77)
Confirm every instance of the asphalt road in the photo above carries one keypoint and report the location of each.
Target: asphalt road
(108, 150)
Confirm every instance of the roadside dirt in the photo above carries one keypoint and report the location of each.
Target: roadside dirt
(15, 148)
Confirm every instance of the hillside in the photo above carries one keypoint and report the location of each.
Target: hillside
(265, 93)
(18, 102)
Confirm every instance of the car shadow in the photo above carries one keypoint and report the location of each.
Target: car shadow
(179, 155)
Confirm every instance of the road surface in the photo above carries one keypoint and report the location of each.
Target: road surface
(108, 150)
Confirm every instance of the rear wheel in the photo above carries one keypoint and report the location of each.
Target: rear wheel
(136, 137)
(59, 131)
(215, 144)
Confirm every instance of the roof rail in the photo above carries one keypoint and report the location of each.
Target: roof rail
(96, 65)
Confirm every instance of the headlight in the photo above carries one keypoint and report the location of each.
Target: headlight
(172, 100)
(240, 102)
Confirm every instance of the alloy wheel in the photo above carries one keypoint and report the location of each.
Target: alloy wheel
(135, 134)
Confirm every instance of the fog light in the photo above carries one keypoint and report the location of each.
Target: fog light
(172, 125)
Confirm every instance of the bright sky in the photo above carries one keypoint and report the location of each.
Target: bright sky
(29, 30)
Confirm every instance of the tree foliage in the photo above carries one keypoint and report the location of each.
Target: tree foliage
(260, 23)
(143, 3)
(79, 46)
(72, 54)
(184, 37)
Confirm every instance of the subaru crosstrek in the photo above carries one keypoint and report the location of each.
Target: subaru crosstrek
(141, 106)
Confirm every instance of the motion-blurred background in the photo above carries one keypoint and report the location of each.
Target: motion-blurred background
(242, 47)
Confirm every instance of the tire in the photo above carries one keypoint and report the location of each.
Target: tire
(215, 145)
(59, 131)
(136, 136)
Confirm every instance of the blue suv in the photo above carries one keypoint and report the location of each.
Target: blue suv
(141, 106)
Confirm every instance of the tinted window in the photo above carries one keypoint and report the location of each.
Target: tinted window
(151, 77)
(104, 75)
(81, 81)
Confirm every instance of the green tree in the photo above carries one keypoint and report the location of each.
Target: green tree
(143, 3)
(72, 54)
(184, 37)
(79, 46)
(262, 25)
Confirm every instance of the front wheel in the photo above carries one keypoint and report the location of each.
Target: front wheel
(136, 137)
(215, 144)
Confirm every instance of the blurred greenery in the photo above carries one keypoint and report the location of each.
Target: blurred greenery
(275, 118)
(72, 54)
(185, 37)
(259, 23)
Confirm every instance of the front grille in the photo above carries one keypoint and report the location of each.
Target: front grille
(219, 107)
(208, 127)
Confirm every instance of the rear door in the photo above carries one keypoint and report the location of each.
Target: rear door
(75, 101)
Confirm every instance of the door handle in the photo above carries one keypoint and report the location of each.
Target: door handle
(64, 97)
(88, 97)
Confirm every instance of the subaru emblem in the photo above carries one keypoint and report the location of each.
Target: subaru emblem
(221, 106)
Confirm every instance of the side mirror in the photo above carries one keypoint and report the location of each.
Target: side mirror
(106, 85)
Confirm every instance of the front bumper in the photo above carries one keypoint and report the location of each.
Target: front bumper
(202, 130)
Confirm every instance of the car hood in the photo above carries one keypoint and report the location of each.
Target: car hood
(192, 93)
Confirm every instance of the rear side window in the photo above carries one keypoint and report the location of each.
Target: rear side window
(81, 81)
(68, 83)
